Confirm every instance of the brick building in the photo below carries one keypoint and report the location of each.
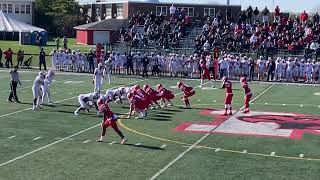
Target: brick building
(124, 9)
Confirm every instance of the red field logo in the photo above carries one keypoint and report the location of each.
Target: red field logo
(260, 124)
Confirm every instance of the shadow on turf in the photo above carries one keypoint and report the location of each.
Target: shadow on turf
(145, 147)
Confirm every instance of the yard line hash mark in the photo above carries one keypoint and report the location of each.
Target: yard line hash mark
(37, 138)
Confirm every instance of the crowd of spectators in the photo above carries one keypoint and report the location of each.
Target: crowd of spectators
(165, 33)
(256, 31)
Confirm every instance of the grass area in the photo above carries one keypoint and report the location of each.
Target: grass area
(66, 148)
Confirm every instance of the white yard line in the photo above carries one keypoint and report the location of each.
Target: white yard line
(11, 137)
(58, 141)
(163, 146)
(273, 154)
(200, 140)
(113, 142)
(86, 141)
(34, 139)
(138, 144)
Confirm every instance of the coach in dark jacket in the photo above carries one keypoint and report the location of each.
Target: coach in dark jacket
(271, 69)
(145, 64)
(42, 59)
(90, 58)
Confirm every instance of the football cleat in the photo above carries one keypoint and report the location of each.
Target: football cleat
(124, 140)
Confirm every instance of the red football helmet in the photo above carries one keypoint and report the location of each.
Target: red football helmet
(100, 101)
(146, 87)
(243, 79)
(179, 84)
(225, 78)
(136, 87)
(159, 86)
(130, 95)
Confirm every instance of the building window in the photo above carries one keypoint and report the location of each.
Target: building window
(17, 8)
(10, 8)
(120, 11)
(22, 9)
(190, 11)
(161, 10)
(108, 12)
(4, 8)
(28, 9)
(210, 11)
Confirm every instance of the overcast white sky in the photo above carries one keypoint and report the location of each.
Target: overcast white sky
(285, 5)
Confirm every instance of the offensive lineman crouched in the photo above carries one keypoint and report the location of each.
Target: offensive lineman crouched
(36, 90)
(86, 100)
(187, 92)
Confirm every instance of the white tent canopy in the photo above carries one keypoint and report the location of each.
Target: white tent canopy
(8, 24)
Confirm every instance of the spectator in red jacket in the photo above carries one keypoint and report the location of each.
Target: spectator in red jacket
(8, 56)
(277, 14)
(303, 16)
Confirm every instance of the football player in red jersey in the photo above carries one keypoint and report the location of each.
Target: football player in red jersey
(137, 104)
(109, 119)
(153, 95)
(226, 84)
(247, 94)
(187, 92)
(206, 74)
(166, 95)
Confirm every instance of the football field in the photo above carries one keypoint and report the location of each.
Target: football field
(278, 139)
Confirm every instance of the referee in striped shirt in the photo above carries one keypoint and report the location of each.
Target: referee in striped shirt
(13, 84)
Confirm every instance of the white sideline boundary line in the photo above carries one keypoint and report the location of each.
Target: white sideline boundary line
(56, 142)
(201, 139)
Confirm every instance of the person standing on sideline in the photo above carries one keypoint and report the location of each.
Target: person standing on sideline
(65, 42)
(57, 43)
(145, 63)
(0, 55)
(9, 54)
(13, 84)
(130, 64)
(90, 58)
(42, 60)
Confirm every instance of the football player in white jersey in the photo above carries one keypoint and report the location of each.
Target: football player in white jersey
(315, 70)
(115, 94)
(36, 90)
(107, 69)
(262, 64)
(290, 67)
(117, 62)
(279, 69)
(237, 67)
(302, 70)
(54, 59)
(98, 77)
(61, 59)
(86, 101)
(46, 86)
(296, 70)
(73, 59)
(309, 71)
(245, 66)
